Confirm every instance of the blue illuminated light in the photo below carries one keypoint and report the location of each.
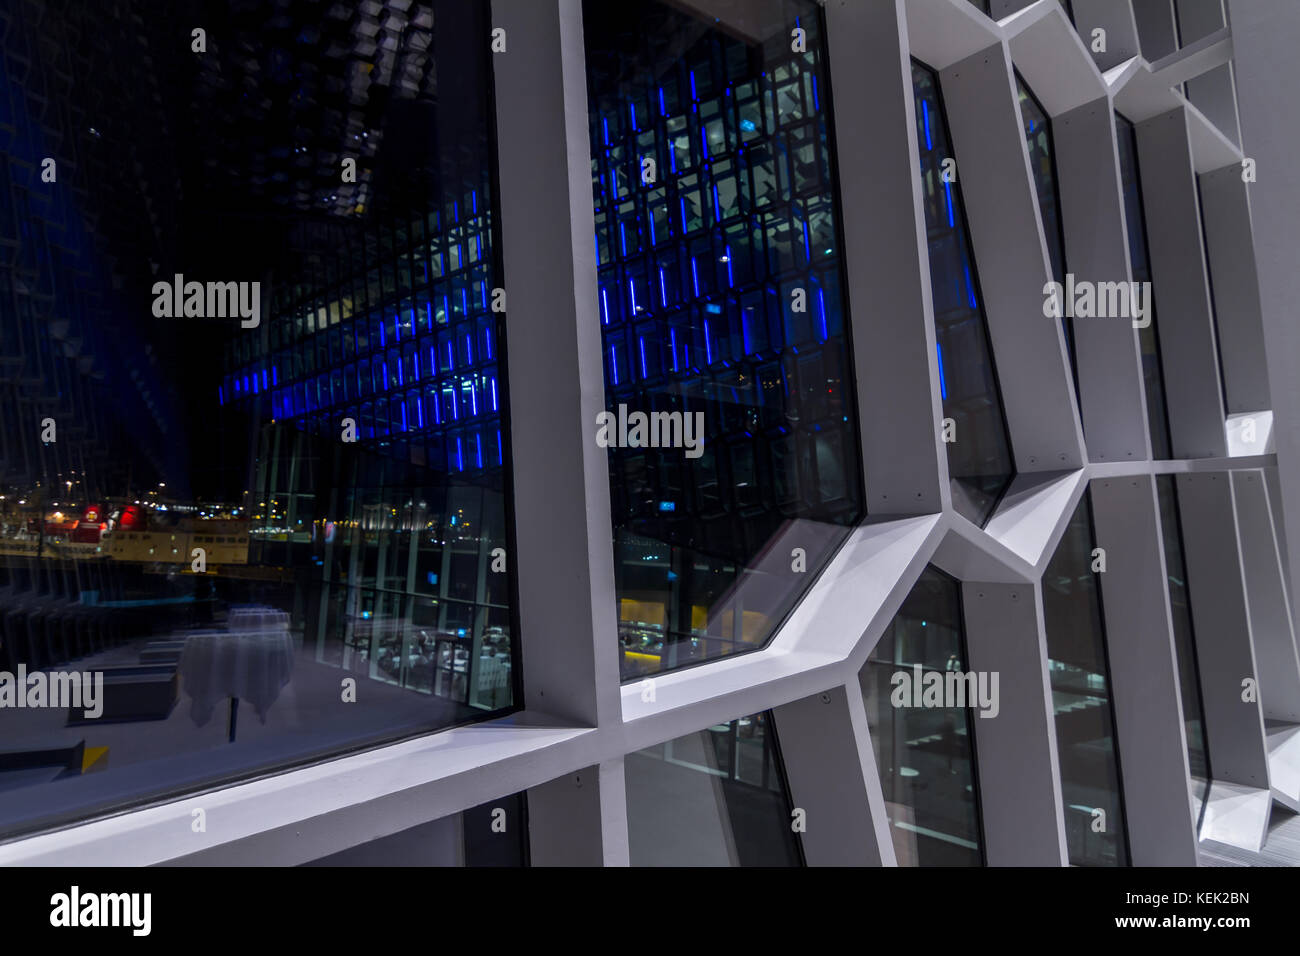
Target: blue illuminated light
(943, 383)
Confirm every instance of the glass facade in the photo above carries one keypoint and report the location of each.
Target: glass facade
(713, 798)
(1189, 680)
(1140, 265)
(253, 477)
(980, 464)
(721, 302)
(1080, 682)
(926, 755)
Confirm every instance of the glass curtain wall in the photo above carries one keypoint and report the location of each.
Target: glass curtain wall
(980, 463)
(714, 798)
(1080, 682)
(1140, 265)
(926, 755)
(723, 318)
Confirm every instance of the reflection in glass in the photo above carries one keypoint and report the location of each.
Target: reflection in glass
(979, 462)
(1189, 681)
(269, 513)
(713, 798)
(720, 296)
(925, 754)
(1140, 266)
(1080, 681)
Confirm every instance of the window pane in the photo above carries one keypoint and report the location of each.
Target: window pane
(1080, 681)
(1189, 681)
(925, 753)
(980, 465)
(722, 310)
(343, 595)
(713, 798)
(1042, 164)
(1140, 265)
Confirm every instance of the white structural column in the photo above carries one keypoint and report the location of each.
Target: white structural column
(1143, 673)
(564, 557)
(1234, 723)
(1225, 205)
(980, 101)
(1111, 394)
(1182, 298)
(1019, 776)
(885, 257)
(834, 779)
(1265, 38)
(580, 819)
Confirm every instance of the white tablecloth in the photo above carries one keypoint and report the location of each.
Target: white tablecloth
(253, 665)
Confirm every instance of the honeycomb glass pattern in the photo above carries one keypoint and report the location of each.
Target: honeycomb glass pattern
(720, 295)
(980, 465)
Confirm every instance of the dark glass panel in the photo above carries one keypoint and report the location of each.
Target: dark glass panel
(1140, 266)
(980, 464)
(1080, 682)
(722, 303)
(1189, 682)
(332, 554)
(926, 755)
(713, 798)
(1042, 165)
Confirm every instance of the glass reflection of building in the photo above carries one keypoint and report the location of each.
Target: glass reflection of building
(714, 798)
(980, 465)
(721, 294)
(199, 527)
(1079, 675)
(926, 755)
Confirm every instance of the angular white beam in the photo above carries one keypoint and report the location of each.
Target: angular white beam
(833, 777)
(555, 376)
(1144, 689)
(1019, 776)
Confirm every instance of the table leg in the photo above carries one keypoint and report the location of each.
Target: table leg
(234, 712)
